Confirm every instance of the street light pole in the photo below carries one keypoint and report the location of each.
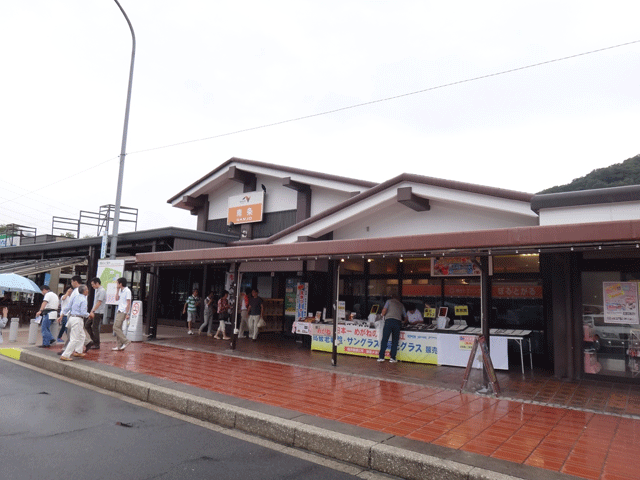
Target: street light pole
(123, 149)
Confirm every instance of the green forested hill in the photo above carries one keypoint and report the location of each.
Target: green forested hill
(625, 173)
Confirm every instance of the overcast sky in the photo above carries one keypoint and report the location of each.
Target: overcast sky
(209, 68)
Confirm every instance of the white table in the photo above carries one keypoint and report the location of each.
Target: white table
(517, 336)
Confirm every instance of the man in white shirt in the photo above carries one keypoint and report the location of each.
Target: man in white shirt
(76, 281)
(123, 297)
(49, 311)
(414, 317)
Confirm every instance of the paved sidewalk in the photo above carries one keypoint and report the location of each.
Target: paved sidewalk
(417, 422)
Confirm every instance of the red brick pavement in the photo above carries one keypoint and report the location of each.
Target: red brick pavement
(572, 441)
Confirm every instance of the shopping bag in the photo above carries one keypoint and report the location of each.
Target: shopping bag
(37, 320)
(262, 323)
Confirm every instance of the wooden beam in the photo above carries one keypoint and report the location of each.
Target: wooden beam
(413, 201)
(248, 179)
(194, 202)
(297, 186)
(303, 207)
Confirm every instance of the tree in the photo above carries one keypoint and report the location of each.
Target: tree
(617, 175)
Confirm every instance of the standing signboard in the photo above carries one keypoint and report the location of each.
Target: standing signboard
(109, 271)
(486, 360)
(134, 328)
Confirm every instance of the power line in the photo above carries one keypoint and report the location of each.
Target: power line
(60, 181)
(341, 109)
(386, 99)
(23, 205)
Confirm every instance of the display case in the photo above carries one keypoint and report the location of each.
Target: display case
(633, 353)
(273, 314)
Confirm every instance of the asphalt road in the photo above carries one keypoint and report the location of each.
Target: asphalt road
(50, 428)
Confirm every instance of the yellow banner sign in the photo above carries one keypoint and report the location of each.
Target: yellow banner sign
(429, 313)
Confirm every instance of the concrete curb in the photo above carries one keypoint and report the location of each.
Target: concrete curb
(365, 453)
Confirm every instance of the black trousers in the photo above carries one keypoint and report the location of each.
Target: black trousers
(92, 326)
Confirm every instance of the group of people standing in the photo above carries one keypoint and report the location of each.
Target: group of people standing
(82, 324)
(251, 312)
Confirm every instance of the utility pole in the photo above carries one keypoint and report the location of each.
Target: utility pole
(123, 149)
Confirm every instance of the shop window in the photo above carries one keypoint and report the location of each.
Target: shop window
(517, 304)
(417, 266)
(463, 293)
(351, 266)
(352, 292)
(422, 293)
(383, 288)
(610, 322)
(383, 266)
(526, 263)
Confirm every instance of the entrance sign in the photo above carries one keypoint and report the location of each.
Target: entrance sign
(109, 271)
(245, 208)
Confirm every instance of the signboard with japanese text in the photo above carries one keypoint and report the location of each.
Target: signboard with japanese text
(302, 299)
(109, 271)
(620, 302)
(290, 296)
(429, 312)
(418, 347)
(245, 208)
(301, 328)
(103, 246)
(133, 329)
(497, 291)
(461, 310)
(466, 341)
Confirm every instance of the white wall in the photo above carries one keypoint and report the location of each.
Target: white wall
(590, 213)
(323, 198)
(278, 198)
(219, 199)
(397, 220)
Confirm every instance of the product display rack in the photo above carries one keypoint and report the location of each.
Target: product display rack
(273, 315)
(633, 353)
